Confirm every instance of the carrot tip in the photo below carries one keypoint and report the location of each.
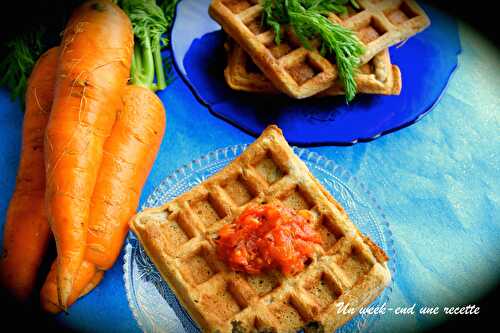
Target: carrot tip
(62, 297)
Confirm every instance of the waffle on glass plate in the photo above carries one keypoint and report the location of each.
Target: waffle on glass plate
(379, 24)
(179, 237)
(378, 76)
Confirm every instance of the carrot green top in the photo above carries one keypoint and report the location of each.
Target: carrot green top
(150, 23)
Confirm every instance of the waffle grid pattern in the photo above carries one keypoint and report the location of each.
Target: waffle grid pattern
(179, 237)
(379, 24)
(378, 76)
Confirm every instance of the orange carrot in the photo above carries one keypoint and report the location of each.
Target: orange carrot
(96, 279)
(26, 230)
(93, 68)
(129, 154)
(88, 277)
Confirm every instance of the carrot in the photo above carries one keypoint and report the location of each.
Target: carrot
(93, 68)
(96, 279)
(26, 231)
(135, 140)
(129, 154)
(88, 277)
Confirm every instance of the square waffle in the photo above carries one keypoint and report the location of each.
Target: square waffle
(180, 239)
(378, 24)
(378, 76)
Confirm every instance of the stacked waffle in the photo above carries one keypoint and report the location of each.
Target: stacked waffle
(180, 238)
(257, 64)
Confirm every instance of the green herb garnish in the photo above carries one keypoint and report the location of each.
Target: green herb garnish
(150, 23)
(22, 51)
(168, 7)
(307, 19)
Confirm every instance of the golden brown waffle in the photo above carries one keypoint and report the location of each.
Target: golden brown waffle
(378, 24)
(378, 76)
(179, 237)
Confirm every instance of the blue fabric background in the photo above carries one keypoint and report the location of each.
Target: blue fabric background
(437, 182)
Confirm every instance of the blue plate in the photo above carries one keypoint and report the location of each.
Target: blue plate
(427, 62)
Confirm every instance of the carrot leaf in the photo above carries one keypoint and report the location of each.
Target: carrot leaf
(22, 52)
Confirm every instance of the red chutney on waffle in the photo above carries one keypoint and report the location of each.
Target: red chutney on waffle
(267, 237)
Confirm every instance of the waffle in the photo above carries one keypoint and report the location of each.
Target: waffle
(179, 237)
(378, 76)
(378, 24)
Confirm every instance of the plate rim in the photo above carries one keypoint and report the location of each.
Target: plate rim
(236, 150)
(319, 143)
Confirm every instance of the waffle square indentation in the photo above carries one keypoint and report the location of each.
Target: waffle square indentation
(264, 283)
(219, 300)
(400, 14)
(286, 46)
(355, 265)
(329, 233)
(269, 170)
(372, 31)
(297, 200)
(323, 289)
(286, 312)
(198, 269)
(207, 210)
(303, 71)
(256, 26)
(175, 233)
(237, 6)
(238, 191)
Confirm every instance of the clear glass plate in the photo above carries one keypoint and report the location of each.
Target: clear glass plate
(154, 305)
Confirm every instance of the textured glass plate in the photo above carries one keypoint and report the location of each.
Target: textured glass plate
(152, 302)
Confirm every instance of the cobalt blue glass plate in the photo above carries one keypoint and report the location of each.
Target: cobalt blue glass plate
(426, 60)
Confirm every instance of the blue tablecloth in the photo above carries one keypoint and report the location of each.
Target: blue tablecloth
(437, 182)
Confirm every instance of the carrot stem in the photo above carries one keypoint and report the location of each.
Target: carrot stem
(149, 24)
(136, 68)
(161, 83)
(148, 66)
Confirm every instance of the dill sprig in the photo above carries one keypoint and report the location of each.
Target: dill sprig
(22, 51)
(308, 20)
